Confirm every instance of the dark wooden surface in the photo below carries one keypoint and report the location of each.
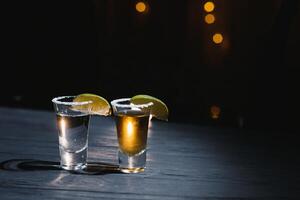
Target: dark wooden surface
(184, 162)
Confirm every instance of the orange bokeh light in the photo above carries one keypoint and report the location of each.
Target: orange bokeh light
(140, 7)
(209, 18)
(218, 38)
(215, 112)
(209, 6)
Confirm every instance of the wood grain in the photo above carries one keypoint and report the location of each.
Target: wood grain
(183, 162)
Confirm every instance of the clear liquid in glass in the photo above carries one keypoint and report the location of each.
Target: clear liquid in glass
(73, 140)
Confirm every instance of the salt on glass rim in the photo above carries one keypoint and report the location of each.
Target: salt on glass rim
(56, 100)
(117, 103)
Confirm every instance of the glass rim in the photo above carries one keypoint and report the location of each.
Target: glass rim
(57, 100)
(117, 103)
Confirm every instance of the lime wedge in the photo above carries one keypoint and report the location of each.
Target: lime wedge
(99, 105)
(159, 109)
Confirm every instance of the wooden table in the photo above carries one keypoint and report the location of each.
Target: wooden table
(184, 162)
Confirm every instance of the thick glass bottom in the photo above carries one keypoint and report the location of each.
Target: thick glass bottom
(132, 170)
(73, 161)
(132, 164)
(77, 167)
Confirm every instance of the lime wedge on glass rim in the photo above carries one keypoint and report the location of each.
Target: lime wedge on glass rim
(99, 105)
(159, 109)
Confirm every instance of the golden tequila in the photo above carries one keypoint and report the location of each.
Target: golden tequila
(132, 130)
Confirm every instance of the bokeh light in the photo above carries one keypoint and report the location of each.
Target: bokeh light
(215, 112)
(140, 7)
(217, 38)
(209, 6)
(209, 18)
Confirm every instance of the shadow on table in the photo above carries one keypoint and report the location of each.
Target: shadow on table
(94, 168)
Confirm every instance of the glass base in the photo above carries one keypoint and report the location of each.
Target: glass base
(74, 167)
(132, 164)
(132, 170)
(73, 161)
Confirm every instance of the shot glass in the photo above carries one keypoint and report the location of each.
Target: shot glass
(132, 131)
(73, 130)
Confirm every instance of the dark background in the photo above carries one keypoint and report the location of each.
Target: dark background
(53, 48)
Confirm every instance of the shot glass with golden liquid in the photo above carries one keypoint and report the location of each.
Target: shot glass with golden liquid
(132, 131)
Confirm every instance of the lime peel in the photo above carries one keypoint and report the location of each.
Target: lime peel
(159, 109)
(99, 105)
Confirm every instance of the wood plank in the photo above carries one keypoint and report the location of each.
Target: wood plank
(183, 162)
